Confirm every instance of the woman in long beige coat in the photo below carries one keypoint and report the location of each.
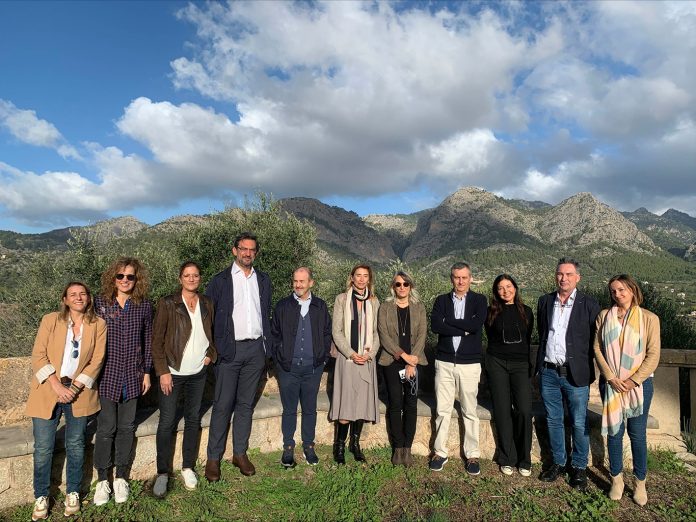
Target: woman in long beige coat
(67, 357)
(402, 332)
(354, 330)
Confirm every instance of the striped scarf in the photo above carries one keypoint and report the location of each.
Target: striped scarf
(623, 345)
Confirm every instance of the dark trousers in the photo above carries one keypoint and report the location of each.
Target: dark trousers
(115, 428)
(191, 387)
(511, 392)
(235, 389)
(300, 384)
(401, 406)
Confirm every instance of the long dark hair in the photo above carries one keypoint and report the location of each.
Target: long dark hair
(497, 303)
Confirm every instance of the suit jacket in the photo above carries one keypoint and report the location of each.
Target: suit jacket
(443, 323)
(49, 348)
(387, 324)
(579, 336)
(221, 291)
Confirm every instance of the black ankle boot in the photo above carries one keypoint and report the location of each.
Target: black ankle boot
(354, 447)
(339, 446)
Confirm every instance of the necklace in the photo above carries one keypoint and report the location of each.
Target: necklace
(191, 302)
(402, 323)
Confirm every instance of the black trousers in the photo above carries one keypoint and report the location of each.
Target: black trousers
(511, 392)
(115, 429)
(401, 406)
(191, 387)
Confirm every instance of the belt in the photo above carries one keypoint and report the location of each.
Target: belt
(247, 340)
(560, 369)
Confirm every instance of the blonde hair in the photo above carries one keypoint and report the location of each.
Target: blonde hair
(413, 296)
(629, 283)
(370, 281)
(90, 316)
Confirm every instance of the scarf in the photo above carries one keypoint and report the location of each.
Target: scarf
(624, 350)
(364, 320)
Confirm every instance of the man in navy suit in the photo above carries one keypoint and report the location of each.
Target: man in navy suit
(458, 318)
(566, 325)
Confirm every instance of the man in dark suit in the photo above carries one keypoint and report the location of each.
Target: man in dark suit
(242, 299)
(566, 325)
(458, 318)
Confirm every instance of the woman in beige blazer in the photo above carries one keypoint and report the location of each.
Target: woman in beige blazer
(402, 326)
(66, 360)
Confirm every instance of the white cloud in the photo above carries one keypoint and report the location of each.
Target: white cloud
(28, 128)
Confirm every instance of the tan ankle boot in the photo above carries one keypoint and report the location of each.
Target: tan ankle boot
(617, 487)
(640, 496)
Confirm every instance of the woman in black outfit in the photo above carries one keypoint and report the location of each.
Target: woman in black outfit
(508, 368)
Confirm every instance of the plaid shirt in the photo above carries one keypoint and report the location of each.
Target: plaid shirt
(128, 348)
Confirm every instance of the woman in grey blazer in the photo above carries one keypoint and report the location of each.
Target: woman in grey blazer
(402, 326)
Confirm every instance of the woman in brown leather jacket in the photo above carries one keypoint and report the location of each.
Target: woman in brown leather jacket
(182, 349)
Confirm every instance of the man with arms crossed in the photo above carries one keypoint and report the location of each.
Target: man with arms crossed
(242, 299)
(458, 319)
(566, 325)
(301, 332)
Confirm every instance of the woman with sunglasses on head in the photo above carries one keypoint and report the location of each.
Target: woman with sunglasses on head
(509, 371)
(354, 330)
(67, 357)
(126, 374)
(182, 349)
(402, 332)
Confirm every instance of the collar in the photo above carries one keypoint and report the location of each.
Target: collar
(236, 269)
(454, 296)
(570, 300)
(303, 301)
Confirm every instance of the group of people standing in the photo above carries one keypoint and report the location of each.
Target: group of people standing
(96, 356)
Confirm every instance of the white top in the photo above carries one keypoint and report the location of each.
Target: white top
(556, 341)
(69, 365)
(196, 346)
(304, 303)
(247, 305)
(459, 307)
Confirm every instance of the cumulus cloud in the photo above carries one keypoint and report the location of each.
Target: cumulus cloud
(27, 127)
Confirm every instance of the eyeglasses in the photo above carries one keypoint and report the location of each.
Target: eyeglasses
(130, 277)
(76, 351)
(405, 284)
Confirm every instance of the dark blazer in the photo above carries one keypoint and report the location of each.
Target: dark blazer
(221, 292)
(172, 328)
(579, 336)
(286, 317)
(443, 323)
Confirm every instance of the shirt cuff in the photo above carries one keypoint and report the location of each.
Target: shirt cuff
(85, 379)
(44, 373)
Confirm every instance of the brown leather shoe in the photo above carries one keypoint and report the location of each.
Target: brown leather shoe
(244, 464)
(212, 470)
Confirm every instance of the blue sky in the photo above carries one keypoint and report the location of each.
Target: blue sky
(160, 108)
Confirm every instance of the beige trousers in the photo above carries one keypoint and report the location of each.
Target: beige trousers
(459, 382)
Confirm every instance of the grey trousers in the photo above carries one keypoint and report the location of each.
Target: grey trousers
(235, 390)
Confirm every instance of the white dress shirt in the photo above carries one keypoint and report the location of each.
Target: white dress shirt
(196, 346)
(247, 305)
(556, 341)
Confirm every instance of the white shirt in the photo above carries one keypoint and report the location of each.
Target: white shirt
(196, 346)
(459, 307)
(247, 304)
(304, 303)
(556, 341)
(69, 365)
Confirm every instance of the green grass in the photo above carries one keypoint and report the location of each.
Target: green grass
(379, 491)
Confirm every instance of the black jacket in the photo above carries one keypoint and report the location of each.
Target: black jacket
(579, 336)
(284, 329)
(443, 323)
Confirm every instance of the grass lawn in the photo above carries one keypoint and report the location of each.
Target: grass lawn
(380, 492)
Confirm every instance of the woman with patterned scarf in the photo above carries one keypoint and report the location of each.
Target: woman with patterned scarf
(355, 377)
(627, 350)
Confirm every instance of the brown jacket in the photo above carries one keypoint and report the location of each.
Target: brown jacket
(49, 348)
(172, 329)
(651, 325)
(389, 334)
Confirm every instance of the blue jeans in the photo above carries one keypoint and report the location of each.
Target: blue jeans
(44, 442)
(301, 384)
(637, 427)
(554, 390)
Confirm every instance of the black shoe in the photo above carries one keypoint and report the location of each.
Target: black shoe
(551, 473)
(339, 446)
(578, 479)
(311, 455)
(288, 458)
(354, 447)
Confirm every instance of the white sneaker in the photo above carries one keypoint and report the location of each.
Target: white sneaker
(121, 490)
(506, 470)
(525, 472)
(40, 509)
(102, 493)
(72, 504)
(160, 487)
(190, 479)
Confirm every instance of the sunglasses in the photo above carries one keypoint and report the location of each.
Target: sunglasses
(76, 346)
(130, 277)
(405, 284)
